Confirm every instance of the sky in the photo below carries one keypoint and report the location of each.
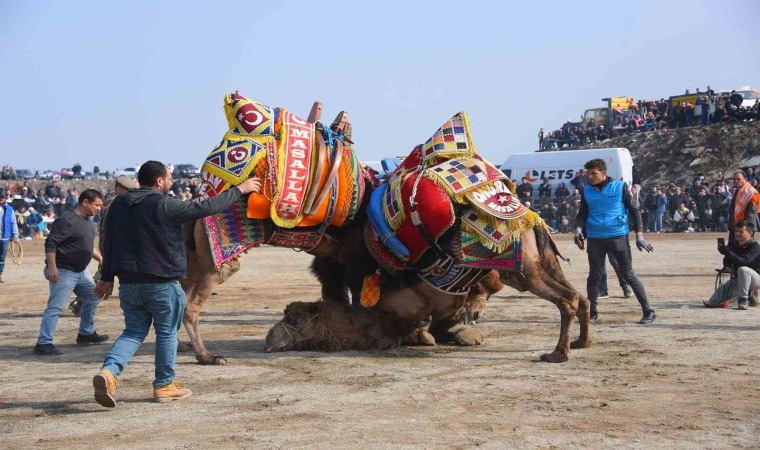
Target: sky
(115, 84)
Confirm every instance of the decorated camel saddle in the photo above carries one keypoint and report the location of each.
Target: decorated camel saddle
(447, 214)
(311, 178)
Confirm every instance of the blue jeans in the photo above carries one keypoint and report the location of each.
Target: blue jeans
(655, 221)
(163, 305)
(4, 243)
(80, 283)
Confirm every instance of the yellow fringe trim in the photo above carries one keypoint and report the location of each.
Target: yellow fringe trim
(513, 228)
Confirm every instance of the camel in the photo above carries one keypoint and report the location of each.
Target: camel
(336, 256)
(329, 326)
(343, 260)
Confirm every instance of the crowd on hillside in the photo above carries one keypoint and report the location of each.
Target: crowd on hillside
(699, 206)
(35, 211)
(645, 116)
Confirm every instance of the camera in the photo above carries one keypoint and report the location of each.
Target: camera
(722, 242)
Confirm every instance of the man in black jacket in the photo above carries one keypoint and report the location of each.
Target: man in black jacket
(525, 191)
(144, 247)
(742, 256)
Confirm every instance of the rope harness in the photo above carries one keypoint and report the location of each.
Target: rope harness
(288, 328)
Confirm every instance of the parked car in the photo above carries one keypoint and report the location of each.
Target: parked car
(24, 174)
(66, 174)
(186, 171)
(49, 175)
(128, 171)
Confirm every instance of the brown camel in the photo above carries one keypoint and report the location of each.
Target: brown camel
(327, 327)
(203, 278)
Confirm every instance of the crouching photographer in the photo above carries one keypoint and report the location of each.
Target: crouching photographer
(742, 257)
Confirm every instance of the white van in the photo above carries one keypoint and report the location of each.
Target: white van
(561, 166)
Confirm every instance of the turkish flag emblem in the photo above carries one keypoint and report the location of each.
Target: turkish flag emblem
(249, 117)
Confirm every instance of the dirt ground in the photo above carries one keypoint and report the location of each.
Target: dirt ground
(689, 380)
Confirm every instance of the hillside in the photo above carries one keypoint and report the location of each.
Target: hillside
(678, 155)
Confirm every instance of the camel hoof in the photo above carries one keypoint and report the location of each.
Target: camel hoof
(212, 361)
(183, 347)
(553, 357)
(419, 337)
(580, 344)
(468, 337)
(426, 338)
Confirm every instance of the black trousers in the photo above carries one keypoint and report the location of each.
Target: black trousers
(621, 249)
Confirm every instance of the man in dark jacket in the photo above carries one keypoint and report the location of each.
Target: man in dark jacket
(736, 99)
(144, 247)
(580, 181)
(544, 189)
(742, 256)
(525, 191)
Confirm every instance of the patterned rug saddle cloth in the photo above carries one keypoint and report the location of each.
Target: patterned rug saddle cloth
(442, 184)
(310, 177)
(310, 180)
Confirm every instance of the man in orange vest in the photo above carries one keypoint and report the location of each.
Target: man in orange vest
(744, 204)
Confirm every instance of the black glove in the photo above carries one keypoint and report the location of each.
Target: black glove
(579, 238)
(722, 249)
(643, 244)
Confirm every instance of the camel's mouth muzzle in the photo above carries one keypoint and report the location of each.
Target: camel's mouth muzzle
(279, 338)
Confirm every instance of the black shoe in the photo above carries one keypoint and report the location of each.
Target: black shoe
(603, 295)
(743, 304)
(594, 316)
(94, 338)
(46, 350)
(648, 317)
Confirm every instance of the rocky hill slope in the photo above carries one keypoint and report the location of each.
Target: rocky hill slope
(679, 155)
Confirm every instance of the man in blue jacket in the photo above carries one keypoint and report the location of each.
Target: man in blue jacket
(8, 229)
(605, 207)
(143, 246)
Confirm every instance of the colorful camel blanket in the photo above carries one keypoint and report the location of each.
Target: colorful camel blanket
(411, 214)
(298, 190)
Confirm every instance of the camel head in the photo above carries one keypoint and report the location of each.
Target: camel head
(299, 324)
(474, 304)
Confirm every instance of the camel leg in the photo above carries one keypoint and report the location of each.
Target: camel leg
(202, 279)
(584, 319)
(567, 300)
(584, 306)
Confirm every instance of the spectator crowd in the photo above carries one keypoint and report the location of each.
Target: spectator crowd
(699, 206)
(36, 210)
(662, 115)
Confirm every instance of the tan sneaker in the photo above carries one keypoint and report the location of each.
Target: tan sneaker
(105, 388)
(170, 392)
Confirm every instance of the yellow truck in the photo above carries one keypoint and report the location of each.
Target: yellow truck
(606, 115)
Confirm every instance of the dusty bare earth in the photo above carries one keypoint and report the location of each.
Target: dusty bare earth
(687, 381)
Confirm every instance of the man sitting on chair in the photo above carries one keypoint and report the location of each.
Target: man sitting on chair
(742, 256)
